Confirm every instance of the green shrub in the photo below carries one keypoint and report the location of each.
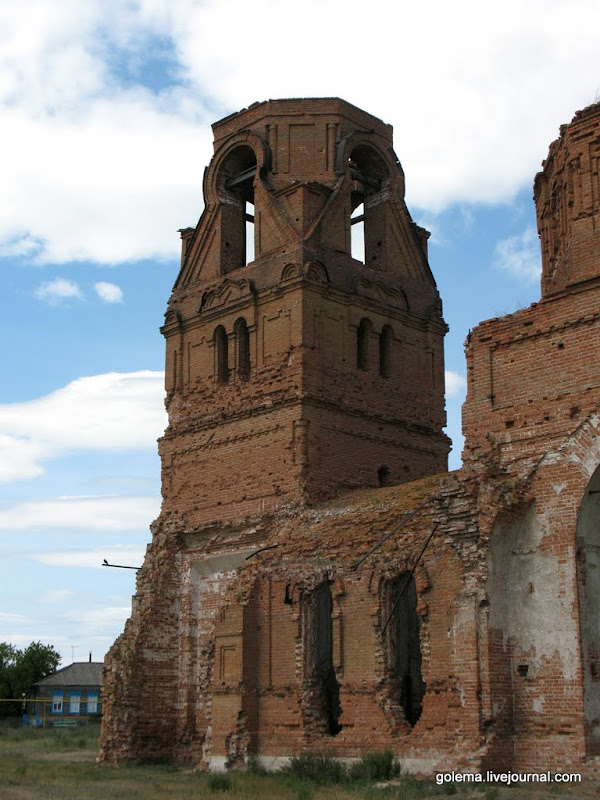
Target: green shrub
(316, 767)
(378, 766)
(220, 783)
(254, 767)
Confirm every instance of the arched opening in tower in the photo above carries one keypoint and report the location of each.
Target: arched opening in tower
(369, 175)
(237, 208)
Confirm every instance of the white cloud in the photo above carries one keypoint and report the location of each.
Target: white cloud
(104, 169)
(14, 619)
(56, 596)
(101, 620)
(94, 514)
(520, 256)
(129, 556)
(110, 412)
(109, 292)
(456, 384)
(58, 289)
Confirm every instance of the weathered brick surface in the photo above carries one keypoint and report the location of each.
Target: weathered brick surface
(252, 632)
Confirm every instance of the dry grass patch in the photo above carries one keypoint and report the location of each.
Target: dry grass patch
(60, 765)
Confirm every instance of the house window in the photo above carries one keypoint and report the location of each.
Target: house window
(92, 703)
(74, 702)
(57, 702)
(221, 354)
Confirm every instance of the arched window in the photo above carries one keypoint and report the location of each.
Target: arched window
(221, 346)
(236, 186)
(385, 343)
(404, 646)
(242, 349)
(322, 672)
(369, 174)
(363, 335)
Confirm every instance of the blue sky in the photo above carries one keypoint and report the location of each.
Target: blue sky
(105, 112)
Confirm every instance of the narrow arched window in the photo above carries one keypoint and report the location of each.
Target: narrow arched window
(242, 349)
(322, 671)
(363, 335)
(236, 187)
(368, 200)
(404, 646)
(221, 346)
(385, 344)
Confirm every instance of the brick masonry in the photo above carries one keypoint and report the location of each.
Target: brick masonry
(305, 394)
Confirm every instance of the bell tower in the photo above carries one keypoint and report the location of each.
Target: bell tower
(304, 333)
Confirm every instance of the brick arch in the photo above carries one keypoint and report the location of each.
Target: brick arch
(212, 175)
(289, 272)
(315, 272)
(367, 142)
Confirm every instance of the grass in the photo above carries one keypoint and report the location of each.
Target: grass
(61, 765)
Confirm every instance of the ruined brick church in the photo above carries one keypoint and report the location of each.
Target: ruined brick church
(317, 580)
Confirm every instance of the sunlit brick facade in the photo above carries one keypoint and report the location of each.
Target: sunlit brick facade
(305, 390)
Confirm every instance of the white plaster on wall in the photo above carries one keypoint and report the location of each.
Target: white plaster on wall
(531, 596)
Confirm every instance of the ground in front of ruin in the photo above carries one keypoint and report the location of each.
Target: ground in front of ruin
(52, 764)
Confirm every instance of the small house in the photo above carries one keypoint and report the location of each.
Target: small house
(69, 696)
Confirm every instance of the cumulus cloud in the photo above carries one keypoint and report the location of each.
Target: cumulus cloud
(520, 256)
(58, 289)
(456, 384)
(103, 167)
(110, 412)
(109, 292)
(86, 513)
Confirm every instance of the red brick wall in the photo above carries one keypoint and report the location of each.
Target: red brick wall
(222, 634)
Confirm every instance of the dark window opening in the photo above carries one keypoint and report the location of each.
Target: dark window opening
(363, 335)
(242, 343)
(221, 345)
(385, 344)
(404, 648)
(236, 188)
(323, 672)
(383, 476)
